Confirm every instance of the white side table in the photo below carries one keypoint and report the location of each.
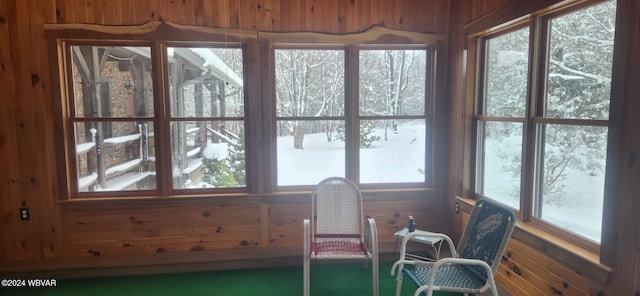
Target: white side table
(434, 242)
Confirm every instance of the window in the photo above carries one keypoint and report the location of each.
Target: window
(215, 112)
(207, 117)
(310, 110)
(393, 104)
(571, 125)
(324, 121)
(542, 137)
(502, 116)
(111, 117)
(118, 128)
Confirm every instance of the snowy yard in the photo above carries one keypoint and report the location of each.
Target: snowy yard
(399, 159)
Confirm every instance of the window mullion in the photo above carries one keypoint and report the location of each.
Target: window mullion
(161, 90)
(537, 41)
(352, 86)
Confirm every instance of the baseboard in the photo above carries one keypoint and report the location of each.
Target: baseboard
(141, 266)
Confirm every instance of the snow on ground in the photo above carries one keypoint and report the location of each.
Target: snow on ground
(582, 197)
(400, 159)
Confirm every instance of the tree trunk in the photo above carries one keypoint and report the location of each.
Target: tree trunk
(298, 137)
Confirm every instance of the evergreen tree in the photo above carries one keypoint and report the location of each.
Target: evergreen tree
(367, 136)
(237, 161)
(215, 167)
(217, 173)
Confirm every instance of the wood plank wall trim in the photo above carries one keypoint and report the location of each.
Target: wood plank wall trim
(506, 13)
(373, 34)
(150, 30)
(580, 260)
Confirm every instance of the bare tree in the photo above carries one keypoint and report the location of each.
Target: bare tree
(309, 83)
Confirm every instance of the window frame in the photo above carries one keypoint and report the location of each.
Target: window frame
(430, 98)
(157, 36)
(277, 118)
(480, 105)
(534, 119)
(259, 100)
(69, 104)
(169, 118)
(434, 44)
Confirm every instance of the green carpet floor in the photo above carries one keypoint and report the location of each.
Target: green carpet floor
(326, 280)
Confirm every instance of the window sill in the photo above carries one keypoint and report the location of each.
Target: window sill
(217, 196)
(556, 248)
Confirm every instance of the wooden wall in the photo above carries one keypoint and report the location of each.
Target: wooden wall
(129, 236)
(622, 223)
(122, 237)
(336, 16)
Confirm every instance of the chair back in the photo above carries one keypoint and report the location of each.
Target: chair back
(486, 235)
(337, 210)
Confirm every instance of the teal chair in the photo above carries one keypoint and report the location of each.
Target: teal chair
(472, 266)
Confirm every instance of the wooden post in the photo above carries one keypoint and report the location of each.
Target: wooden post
(100, 170)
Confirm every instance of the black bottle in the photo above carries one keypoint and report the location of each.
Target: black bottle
(412, 224)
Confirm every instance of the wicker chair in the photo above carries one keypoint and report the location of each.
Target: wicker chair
(472, 266)
(337, 229)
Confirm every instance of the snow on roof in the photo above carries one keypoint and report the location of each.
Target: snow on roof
(206, 60)
(218, 68)
(212, 62)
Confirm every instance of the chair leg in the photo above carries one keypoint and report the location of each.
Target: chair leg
(306, 273)
(492, 286)
(399, 284)
(306, 256)
(372, 240)
(376, 275)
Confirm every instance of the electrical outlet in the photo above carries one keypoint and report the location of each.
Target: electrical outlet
(457, 207)
(24, 214)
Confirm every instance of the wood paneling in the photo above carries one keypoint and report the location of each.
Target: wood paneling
(9, 190)
(26, 180)
(115, 228)
(335, 16)
(60, 236)
(621, 225)
(472, 10)
(525, 264)
(390, 212)
(285, 226)
(27, 138)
